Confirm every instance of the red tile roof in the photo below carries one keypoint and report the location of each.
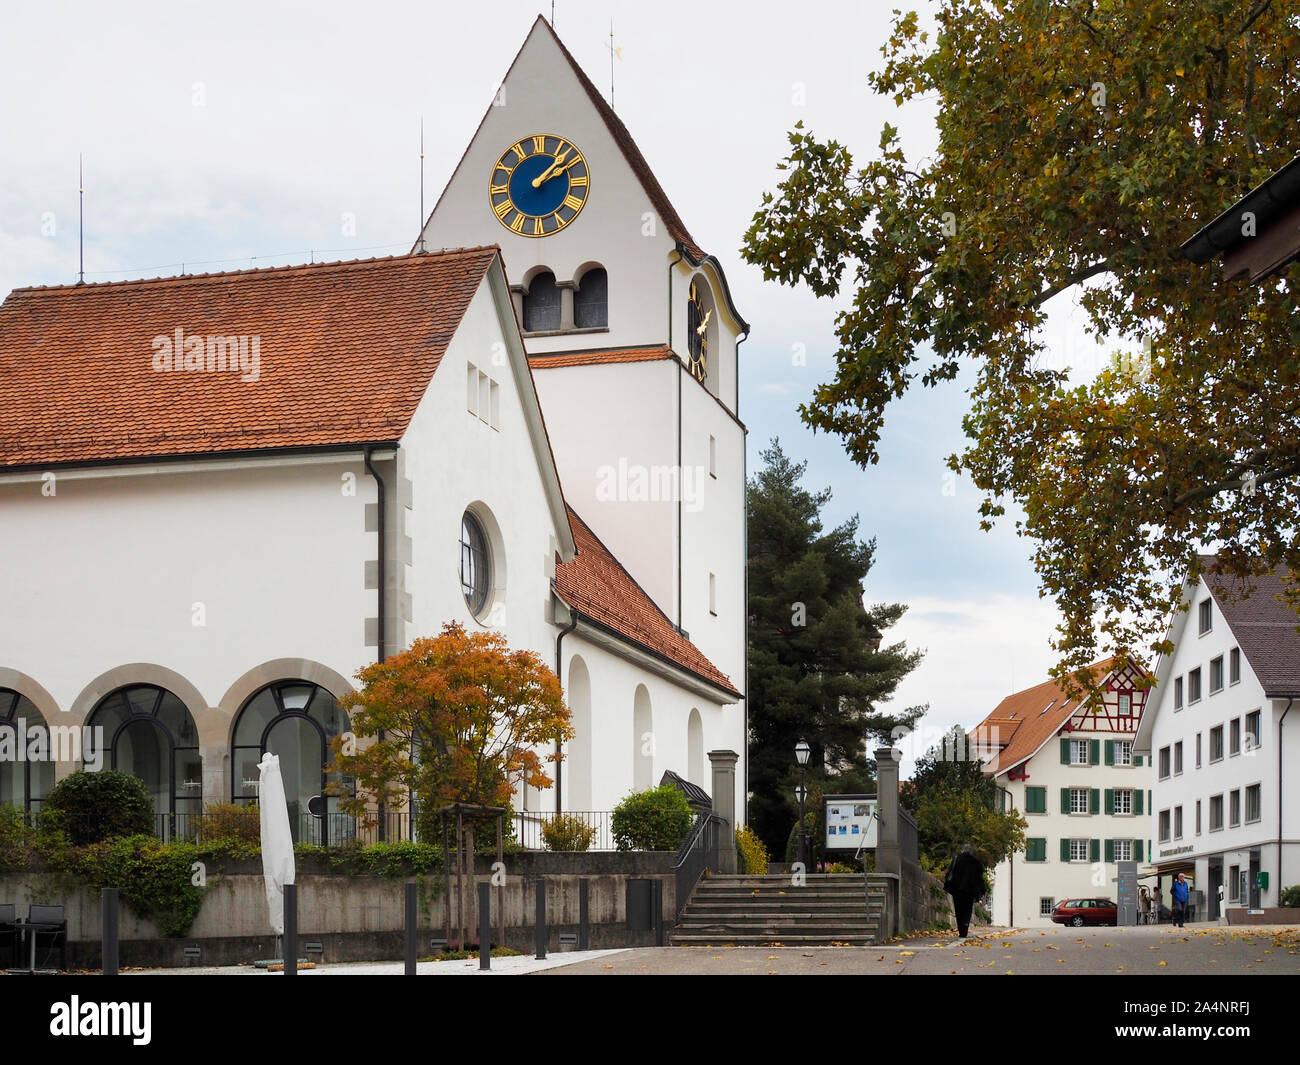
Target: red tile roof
(597, 586)
(593, 358)
(1019, 726)
(346, 352)
(1264, 626)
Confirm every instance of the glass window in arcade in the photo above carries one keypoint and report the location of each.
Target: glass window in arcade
(295, 721)
(24, 780)
(151, 735)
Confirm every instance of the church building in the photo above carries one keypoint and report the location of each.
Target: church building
(221, 495)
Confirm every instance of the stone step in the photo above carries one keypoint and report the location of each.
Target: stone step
(704, 940)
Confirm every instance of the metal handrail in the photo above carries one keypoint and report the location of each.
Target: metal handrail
(695, 847)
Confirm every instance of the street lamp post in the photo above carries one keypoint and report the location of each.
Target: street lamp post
(801, 753)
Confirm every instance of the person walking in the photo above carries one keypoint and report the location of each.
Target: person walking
(1144, 905)
(1180, 893)
(965, 883)
(1155, 904)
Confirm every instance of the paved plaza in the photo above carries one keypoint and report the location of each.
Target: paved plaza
(1196, 950)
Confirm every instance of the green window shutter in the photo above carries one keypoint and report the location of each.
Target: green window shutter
(1094, 801)
(1036, 850)
(1137, 850)
(1065, 850)
(1094, 752)
(1110, 752)
(1035, 800)
(1137, 800)
(1065, 752)
(1094, 850)
(1137, 760)
(1065, 800)
(1110, 803)
(1110, 850)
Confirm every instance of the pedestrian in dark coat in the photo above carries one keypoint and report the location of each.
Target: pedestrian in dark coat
(965, 883)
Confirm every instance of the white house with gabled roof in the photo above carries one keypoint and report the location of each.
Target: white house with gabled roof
(1220, 731)
(1070, 768)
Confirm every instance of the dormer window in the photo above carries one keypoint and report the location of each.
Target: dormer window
(542, 304)
(591, 300)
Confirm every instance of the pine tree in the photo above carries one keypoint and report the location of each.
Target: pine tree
(816, 670)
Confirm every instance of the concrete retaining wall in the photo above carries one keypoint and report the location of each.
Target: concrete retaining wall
(360, 918)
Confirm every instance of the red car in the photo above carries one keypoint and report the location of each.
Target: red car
(1079, 912)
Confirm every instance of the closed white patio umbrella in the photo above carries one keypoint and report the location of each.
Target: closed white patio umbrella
(277, 840)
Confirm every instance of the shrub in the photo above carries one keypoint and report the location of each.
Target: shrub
(1290, 896)
(15, 839)
(153, 878)
(229, 822)
(751, 852)
(566, 832)
(91, 807)
(841, 867)
(655, 820)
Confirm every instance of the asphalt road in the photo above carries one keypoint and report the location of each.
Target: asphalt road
(1190, 951)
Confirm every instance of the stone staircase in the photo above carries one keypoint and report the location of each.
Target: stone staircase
(758, 910)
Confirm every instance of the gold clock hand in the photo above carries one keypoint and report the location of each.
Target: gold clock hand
(549, 172)
(704, 324)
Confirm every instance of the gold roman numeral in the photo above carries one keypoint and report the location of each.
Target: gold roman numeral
(573, 203)
(503, 190)
(556, 219)
(517, 223)
(578, 182)
(502, 209)
(539, 142)
(537, 228)
(518, 149)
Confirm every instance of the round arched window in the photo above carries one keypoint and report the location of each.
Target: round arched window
(475, 563)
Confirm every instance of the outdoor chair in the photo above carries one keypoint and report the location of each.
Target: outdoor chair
(9, 955)
(48, 924)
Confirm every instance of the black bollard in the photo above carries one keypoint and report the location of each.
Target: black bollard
(541, 918)
(108, 946)
(412, 920)
(290, 929)
(485, 925)
(584, 916)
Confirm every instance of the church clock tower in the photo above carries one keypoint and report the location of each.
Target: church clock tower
(631, 333)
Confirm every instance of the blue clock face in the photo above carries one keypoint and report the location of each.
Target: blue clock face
(539, 185)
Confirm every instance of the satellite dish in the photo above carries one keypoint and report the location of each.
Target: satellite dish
(316, 806)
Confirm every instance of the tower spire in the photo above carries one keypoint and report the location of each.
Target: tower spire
(422, 218)
(81, 223)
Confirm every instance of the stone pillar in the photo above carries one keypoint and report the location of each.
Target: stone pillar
(724, 805)
(889, 854)
(567, 289)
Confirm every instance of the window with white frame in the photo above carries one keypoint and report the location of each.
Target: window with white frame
(1206, 619)
(1124, 801)
(1234, 808)
(1178, 758)
(1078, 850)
(1163, 823)
(1164, 762)
(1178, 822)
(1178, 693)
(1216, 743)
(1046, 906)
(1194, 685)
(1216, 813)
(1123, 850)
(1234, 665)
(1078, 752)
(1078, 800)
(1216, 674)
(1252, 730)
(1124, 702)
(1123, 752)
(1252, 803)
(1234, 736)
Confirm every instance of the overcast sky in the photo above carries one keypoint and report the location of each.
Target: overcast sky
(236, 134)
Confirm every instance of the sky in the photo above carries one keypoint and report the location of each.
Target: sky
(224, 136)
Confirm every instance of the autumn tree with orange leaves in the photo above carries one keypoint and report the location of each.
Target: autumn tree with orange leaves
(461, 717)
